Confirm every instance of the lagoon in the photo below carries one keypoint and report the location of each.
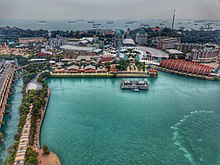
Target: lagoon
(92, 121)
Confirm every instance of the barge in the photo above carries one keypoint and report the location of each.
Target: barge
(132, 85)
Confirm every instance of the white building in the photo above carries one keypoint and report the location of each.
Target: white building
(141, 38)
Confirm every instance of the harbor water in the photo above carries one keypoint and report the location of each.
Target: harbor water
(116, 24)
(94, 122)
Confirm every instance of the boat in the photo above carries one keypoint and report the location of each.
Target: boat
(136, 90)
(72, 22)
(199, 21)
(129, 22)
(97, 24)
(161, 24)
(141, 85)
(42, 21)
(181, 28)
(145, 25)
(109, 22)
(91, 21)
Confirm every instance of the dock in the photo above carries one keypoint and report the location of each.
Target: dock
(131, 85)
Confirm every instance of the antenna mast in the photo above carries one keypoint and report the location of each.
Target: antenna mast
(174, 16)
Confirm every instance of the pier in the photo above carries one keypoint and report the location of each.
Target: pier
(140, 85)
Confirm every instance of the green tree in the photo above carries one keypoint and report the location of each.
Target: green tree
(108, 65)
(46, 150)
(32, 160)
(1, 137)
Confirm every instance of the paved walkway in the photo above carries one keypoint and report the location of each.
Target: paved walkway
(34, 84)
(51, 159)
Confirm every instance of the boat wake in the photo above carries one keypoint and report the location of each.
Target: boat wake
(198, 136)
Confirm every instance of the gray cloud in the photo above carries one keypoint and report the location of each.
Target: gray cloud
(106, 9)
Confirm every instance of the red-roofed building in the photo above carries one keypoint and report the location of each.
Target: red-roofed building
(187, 67)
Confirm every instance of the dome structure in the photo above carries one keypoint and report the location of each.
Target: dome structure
(128, 42)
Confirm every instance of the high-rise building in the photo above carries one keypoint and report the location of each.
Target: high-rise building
(119, 37)
(141, 38)
(205, 55)
(58, 41)
(166, 43)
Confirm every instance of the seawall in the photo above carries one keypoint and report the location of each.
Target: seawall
(52, 158)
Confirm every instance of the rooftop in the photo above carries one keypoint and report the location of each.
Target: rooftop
(77, 48)
(128, 41)
(174, 51)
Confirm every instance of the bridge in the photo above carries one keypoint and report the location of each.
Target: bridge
(6, 79)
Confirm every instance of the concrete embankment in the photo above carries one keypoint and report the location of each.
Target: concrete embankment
(83, 75)
(52, 158)
(100, 75)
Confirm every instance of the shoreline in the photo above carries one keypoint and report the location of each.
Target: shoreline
(53, 157)
(44, 109)
(103, 75)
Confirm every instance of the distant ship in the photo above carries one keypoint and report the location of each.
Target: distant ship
(145, 25)
(182, 28)
(129, 22)
(80, 20)
(161, 24)
(72, 21)
(42, 21)
(91, 21)
(199, 21)
(109, 22)
(96, 25)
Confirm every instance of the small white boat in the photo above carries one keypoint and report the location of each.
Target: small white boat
(136, 90)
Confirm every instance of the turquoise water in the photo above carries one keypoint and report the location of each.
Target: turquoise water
(11, 120)
(92, 121)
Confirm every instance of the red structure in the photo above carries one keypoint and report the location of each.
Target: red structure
(187, 67)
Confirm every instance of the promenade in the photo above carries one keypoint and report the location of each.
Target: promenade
(122, 74)
(24, 140)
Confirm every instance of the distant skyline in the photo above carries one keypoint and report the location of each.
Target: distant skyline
(106, 9)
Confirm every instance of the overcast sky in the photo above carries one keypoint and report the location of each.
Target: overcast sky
(109, 9)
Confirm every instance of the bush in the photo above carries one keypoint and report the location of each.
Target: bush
(46, 150)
